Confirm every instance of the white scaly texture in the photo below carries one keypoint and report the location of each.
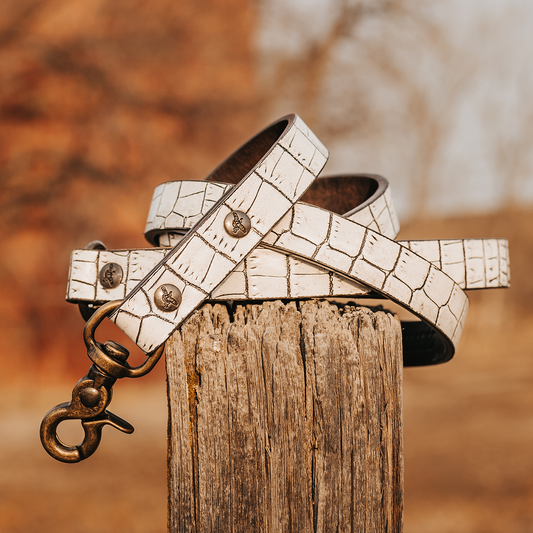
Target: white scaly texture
(472, 263)
(181, 204)
(208, 254)
(315, 253)
(271, 274)
(376, 261)
(264, 274)
(310, 252)
(178, 205)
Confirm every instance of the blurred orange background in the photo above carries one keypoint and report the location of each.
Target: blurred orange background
(102, 101)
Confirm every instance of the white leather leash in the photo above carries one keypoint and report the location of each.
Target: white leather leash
(248, 237)
(310, 253)
(278, 165)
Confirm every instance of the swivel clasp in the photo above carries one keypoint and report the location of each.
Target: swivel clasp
(90, 397)
(92, 394)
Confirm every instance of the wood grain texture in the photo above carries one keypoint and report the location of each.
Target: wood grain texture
(285, 417)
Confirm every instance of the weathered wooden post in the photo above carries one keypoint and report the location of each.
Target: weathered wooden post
(285, 410)
(285, 417)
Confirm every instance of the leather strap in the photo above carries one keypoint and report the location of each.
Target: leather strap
(271, 274)
(364, 198)
(278, 165)
(471, 263)
(274, 273)
(310, 252)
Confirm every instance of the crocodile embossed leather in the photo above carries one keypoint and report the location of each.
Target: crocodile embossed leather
(277, 166)
(298, 259)
(262, 226)
(249, 237)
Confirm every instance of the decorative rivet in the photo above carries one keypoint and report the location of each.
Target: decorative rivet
(116, 351)
(90, 397)
(111, 275)
(237, 224)
(167, 297)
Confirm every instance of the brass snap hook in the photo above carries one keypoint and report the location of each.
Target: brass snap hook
(92, 394)
(99, 356)
(90, 397)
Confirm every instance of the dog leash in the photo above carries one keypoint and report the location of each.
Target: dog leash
(242, 238)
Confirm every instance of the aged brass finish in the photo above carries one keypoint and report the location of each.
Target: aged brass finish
(93, 393)
(100, 353)
(90, 397)
(111, 275)
(237, 224)
(167, 297)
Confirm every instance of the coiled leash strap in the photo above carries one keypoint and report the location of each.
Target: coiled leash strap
(310, 254)
(275, 168)
(250, 238)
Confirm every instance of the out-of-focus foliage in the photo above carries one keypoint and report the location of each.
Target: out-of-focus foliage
(433, 95)
(99, 103)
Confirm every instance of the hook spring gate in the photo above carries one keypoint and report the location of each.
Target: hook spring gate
(92, 394)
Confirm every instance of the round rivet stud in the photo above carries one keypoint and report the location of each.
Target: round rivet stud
(237, 224)
(90, 397)
(167, 297)
(111, 275)
(116, 351)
